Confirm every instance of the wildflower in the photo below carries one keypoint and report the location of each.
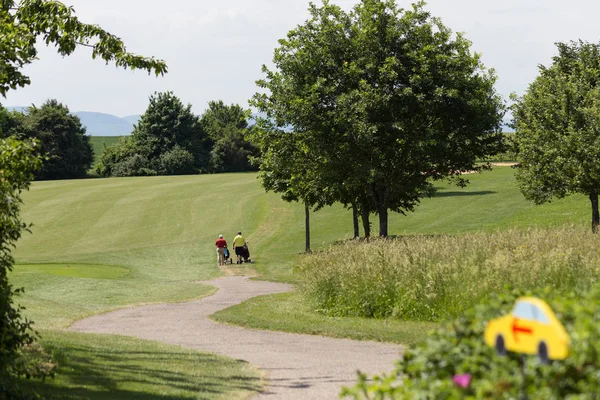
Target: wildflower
(462, 380)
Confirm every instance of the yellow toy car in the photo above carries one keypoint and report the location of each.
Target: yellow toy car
(531, 328)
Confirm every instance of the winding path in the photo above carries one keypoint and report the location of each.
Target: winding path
(297, 366)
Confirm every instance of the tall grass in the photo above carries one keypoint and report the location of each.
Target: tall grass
(432, 278)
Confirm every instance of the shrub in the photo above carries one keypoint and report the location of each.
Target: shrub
(426, 371)
(18, 163)
(177, 161)
(135, 165)
(113, 155)
(436, 278)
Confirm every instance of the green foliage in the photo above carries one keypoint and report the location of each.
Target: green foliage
(436, 278)
(171, 140)
(176, 161)
(557, 125)
(18, 163)
(509, 147)
(426, 372)
(100, 143)
(385, 99)
(66, 148)
(227, 127)
(168, 139)
(24, 22)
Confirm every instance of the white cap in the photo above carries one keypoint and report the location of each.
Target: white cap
(220, 236)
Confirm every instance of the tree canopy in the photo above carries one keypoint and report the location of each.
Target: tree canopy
(386, 100)
(227, 126)
(23, 23)
(168, 140)
(171, 140)
(66, 148)
(557, 124)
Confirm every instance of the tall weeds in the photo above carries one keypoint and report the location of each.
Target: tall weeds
(432, 278)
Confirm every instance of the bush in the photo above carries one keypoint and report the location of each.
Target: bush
(426, 372)
(18, 164)
(113, 155)
(177, 161)
(437, 278)
(135, 165)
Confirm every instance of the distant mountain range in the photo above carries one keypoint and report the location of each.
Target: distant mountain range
(100, 124)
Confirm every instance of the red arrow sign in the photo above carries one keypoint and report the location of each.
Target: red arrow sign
(519, 329)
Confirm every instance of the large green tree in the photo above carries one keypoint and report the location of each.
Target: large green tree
(389, 100)
(557, 124)
(22, 25)
(63, 142)
(168, 140)
(227, 126)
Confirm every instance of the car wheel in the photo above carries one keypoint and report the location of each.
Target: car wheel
(543, 353)
(500, 347)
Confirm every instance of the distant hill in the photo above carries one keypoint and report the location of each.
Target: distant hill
(134, 119)
(100, 124)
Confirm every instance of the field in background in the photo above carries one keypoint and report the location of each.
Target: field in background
(100, 142)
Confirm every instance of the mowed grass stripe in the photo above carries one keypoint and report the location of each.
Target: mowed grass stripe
(163, 230)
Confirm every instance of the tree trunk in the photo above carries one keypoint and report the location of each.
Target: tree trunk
(307, 227)
(355, 222)
(366, 224)
(383, 222)
(595, 213)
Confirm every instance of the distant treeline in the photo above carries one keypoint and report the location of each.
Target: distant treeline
(168, 140)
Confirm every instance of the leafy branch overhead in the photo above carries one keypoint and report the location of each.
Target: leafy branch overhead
(22, 24)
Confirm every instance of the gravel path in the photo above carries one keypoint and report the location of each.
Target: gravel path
(297, 366)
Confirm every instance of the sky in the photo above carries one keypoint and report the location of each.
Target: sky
(215, 49)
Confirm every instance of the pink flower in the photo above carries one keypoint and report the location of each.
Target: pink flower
(462, 380)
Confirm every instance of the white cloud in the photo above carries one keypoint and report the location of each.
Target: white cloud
(215, 49)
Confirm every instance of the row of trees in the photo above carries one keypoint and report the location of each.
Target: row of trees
(63, 143)
(171, 140)
(383, 102)
(168, 140)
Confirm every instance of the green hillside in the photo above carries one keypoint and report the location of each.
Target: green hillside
(100, 142)
(102, 244)
(162, 229)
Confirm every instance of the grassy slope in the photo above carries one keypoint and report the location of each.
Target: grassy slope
(99, 142)
(162, 230)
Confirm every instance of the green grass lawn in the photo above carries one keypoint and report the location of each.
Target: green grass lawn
(155, 235)
(289, 312)
(107, 367)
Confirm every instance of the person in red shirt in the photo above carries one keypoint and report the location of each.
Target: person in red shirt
(221, 244)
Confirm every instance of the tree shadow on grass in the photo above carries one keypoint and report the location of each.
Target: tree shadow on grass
(465, 193)
(96, 374)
